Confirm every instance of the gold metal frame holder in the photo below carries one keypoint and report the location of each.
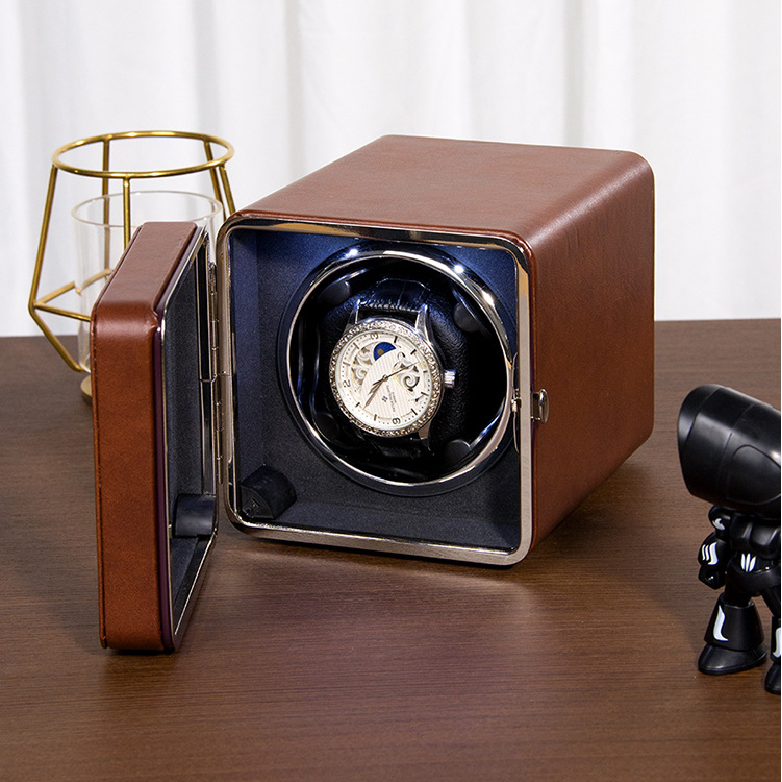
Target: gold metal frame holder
(215, 165)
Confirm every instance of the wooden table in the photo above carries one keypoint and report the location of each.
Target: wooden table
(309, 664)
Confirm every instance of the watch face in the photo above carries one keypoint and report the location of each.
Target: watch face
(385, 377)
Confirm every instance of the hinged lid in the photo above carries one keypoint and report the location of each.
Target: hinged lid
(152, 364)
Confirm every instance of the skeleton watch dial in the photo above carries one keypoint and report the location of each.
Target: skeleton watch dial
(386, 378)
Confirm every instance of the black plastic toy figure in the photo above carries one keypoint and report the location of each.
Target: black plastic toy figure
(729, 449)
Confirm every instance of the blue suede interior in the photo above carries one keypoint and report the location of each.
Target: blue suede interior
(267, 267)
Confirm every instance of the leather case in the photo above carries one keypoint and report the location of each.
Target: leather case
(553, 247)
(564, 236)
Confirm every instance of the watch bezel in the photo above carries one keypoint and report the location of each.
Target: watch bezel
(432, 362)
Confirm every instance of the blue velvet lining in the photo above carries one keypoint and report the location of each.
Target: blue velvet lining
(189, 451)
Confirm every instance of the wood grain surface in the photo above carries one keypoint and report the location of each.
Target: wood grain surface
(314, 664)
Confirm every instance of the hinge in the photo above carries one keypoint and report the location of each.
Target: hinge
(214, 332)
(214, 367)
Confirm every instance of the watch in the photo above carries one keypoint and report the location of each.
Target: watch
(385, 372)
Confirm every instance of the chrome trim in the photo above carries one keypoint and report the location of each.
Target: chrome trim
(518, 371)
(485, 300)
(523, 423)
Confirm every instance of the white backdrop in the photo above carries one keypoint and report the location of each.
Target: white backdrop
(693, 85)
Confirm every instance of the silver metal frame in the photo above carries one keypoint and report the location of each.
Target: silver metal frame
(518, 407)
(477, 293)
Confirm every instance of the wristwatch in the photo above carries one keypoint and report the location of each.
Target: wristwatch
(385, 372)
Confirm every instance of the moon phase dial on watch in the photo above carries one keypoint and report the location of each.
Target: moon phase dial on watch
(386, 378)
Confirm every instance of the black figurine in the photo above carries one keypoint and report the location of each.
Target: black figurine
(729, 449)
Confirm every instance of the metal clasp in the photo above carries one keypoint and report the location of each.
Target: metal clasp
(539, 408)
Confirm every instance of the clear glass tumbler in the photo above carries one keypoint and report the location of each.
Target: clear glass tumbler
(99, 230)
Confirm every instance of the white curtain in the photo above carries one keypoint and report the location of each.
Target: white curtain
(692, 85)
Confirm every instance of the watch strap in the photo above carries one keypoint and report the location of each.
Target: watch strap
(394, 296)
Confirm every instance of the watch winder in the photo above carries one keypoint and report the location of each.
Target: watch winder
(428, 347)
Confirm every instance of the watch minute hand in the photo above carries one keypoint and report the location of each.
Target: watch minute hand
(376, 385)
(375, 388)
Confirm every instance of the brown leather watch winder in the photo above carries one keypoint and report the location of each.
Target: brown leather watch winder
(428, 347)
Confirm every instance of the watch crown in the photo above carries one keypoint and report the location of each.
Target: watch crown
(449, 378)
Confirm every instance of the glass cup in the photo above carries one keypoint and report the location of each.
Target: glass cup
(100, 239)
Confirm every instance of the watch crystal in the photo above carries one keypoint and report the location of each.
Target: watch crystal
(385, 377)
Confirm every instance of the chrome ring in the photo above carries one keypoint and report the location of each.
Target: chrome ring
(352, 262)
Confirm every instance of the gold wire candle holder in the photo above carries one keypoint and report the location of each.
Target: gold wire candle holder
(213, 164)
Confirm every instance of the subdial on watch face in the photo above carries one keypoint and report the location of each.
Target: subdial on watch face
(385, 378)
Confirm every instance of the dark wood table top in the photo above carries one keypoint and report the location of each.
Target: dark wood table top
(307, 664)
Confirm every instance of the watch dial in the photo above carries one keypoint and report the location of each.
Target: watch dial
(385, 377)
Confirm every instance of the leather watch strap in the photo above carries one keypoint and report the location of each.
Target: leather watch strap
(394, 297)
